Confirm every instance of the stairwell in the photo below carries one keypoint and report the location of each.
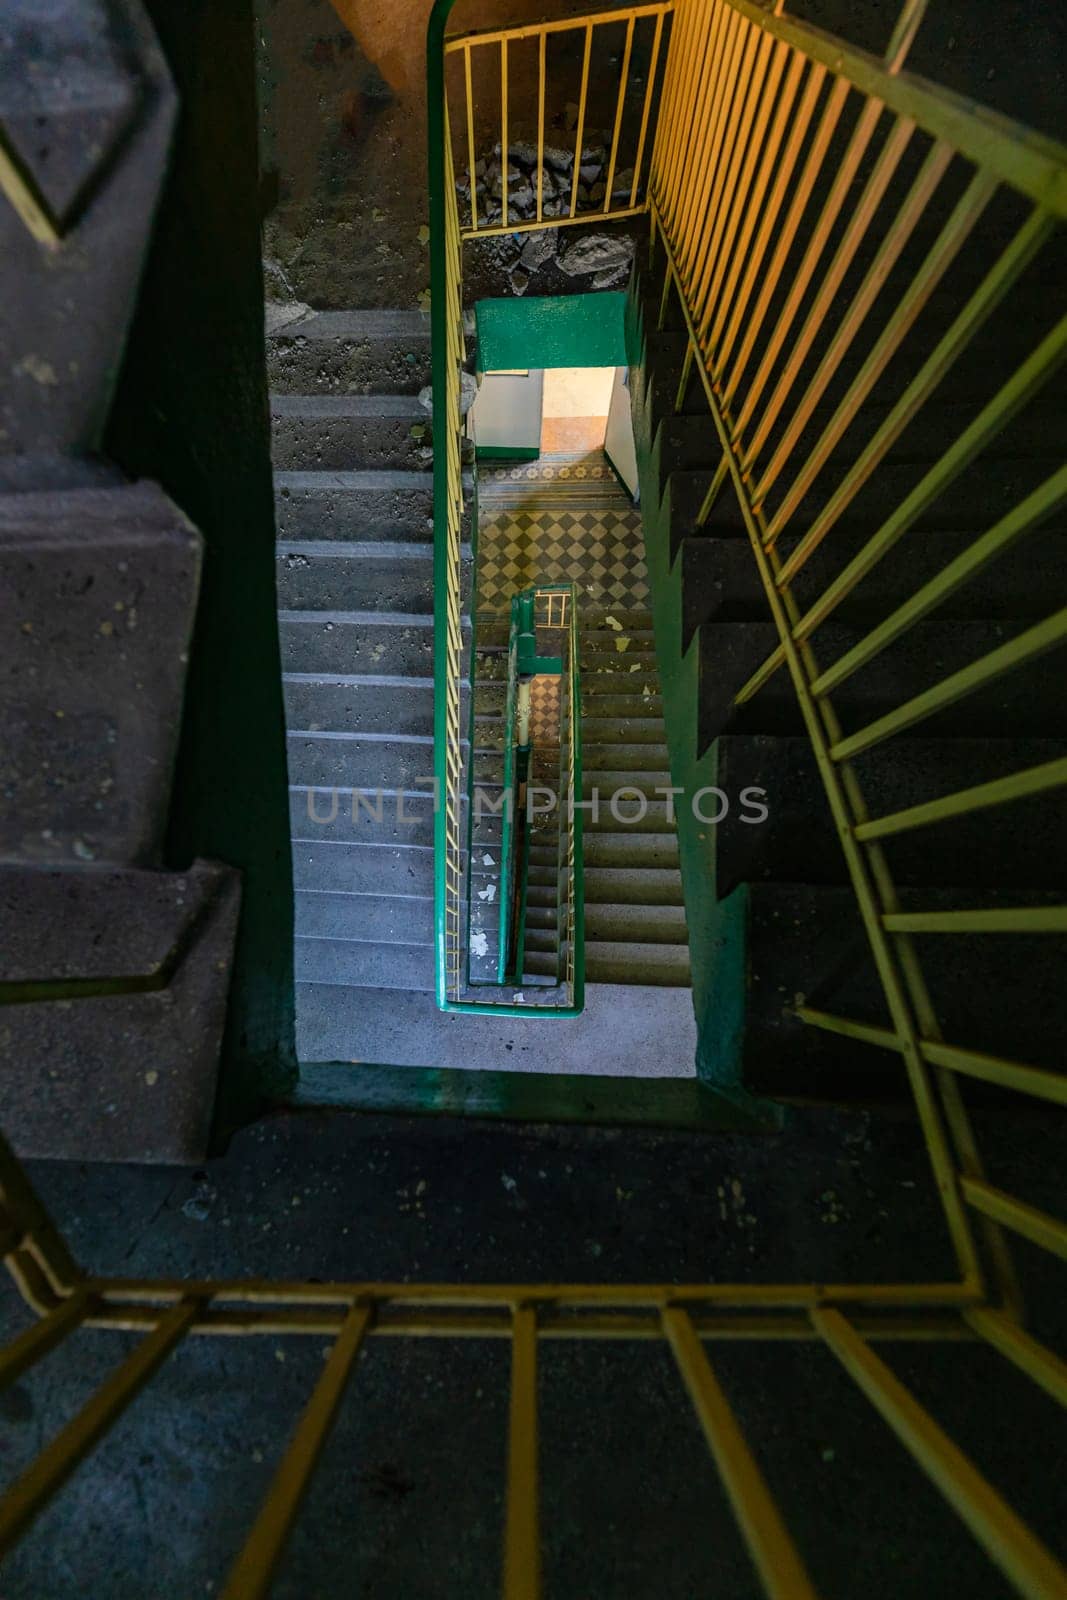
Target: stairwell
(355, 593)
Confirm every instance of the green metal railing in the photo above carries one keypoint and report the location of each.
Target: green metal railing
(552, 605)
(507, 835)
(451, 860)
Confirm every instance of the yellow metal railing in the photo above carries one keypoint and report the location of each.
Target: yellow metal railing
(750, 106)
(503, 81)
(449, 354)
(793, 180)
(732, 205)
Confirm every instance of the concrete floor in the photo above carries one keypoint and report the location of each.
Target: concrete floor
(407, 1502)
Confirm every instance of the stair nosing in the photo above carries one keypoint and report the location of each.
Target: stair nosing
(314, 407)
(361, 549)
(353, 680)
(344, 734)
(362, 619)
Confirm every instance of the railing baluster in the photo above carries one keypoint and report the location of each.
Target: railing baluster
(646, 108)
(770, 1546)
(624, 80)
(36, 1341)
(579, 135)
(522, 1534)
(921, 193)
(471, 161)
(504, 141)
(862, 134)
(858, 226)
(1017, 1552)
(1040, 1364)
(541, 53)
(1015, 259)
(743, 151)
(251, 1575)
(720, 348)
(700, 169)
(30, 1493)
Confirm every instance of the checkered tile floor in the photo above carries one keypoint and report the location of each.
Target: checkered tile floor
(544, 710)
(559, 520)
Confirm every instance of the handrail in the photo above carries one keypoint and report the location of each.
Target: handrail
(447, 354)
(447, 349)
(507, 840)
(514, 872)
(746, 226)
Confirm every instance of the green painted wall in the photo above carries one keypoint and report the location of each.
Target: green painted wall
(716, 928)
(191, 411)
(568, 330)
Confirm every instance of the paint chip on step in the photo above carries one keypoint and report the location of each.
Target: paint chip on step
(479, 944)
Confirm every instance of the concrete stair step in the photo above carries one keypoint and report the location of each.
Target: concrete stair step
(599, 705)
(357, 642)
(1000, 996)
(639, 785)
(343, 868)
(330, 352)
(635, 823)
(346, 963)
(368, 505)
(594, 618)
(375, 917)
(360, 761)
(352, 576)
(613, 924)
(629, 848)
(682, 500)
(619, 886)
(607, 731)
(604, 638)
(992, 485)
(720, 580)
(628, 681)
(1027, 702)
(345, 816)
(364, 703)
(641, 756)
(624, 655)
(625, 964)
(1020, 844)
(685, 442)
(348, 432)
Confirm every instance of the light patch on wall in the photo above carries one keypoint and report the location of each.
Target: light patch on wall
(578, 391)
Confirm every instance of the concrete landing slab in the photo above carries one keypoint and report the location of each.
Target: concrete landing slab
(652, 1029)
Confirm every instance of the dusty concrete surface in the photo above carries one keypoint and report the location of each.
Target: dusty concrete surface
(343, 182)
(407, 1502)
(343, 152)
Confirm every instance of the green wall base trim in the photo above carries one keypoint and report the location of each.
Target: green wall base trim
(566, 330)
(503, 452)
(722, 1033)
(533, 1097)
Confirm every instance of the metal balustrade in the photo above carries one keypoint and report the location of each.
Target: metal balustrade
(751, 102)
